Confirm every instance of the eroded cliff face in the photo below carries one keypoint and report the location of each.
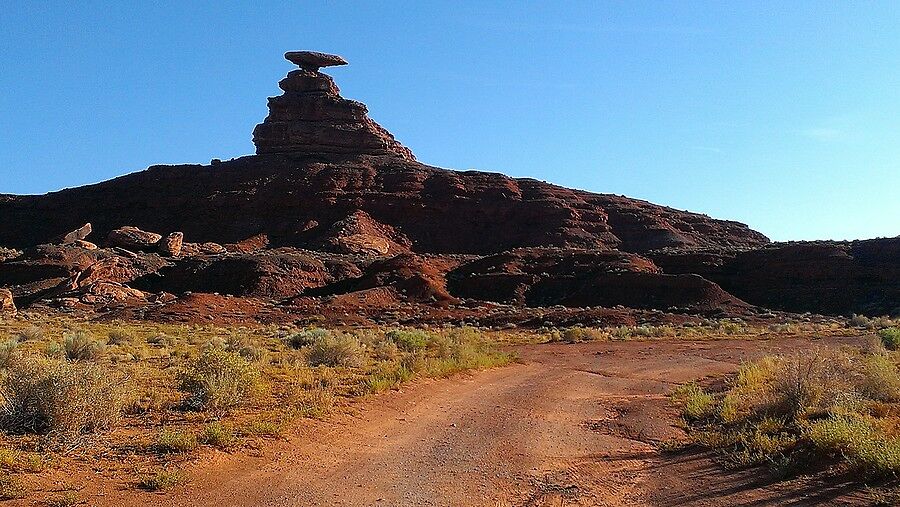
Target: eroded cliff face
(333, 212)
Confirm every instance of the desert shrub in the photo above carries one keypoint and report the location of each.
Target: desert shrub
(581, 334)
(217, 380)
(217, 434)
(697, 404)
(11, 487)
(336, 349)
(408, 340)
(58, 398)
(890, 337)
(9, 253)
(9, 351)
(162, 340)
(67, 499)
(861, 321)
(81, 346)
(817, 382)
(306, 337)
(119, 337)
(175, 441)
(160, 480)
(31, 334)
(246, 348)
(880, 379)
(440, 346)
(834, 403)
(620, 333)
(859, 442)
(385, 350)
(385, 377)
(314, 402)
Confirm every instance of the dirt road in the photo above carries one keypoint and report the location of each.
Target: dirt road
(571, 425)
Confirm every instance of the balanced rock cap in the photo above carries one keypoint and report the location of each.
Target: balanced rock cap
(312, 60)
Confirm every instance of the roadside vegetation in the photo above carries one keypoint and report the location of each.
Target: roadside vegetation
(144, 397)
(829, 408)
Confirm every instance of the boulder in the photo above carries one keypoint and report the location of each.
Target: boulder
(132, 238)
(171, 244)
(87, 245)
(313, 60)
(77, 235)
(7, 306)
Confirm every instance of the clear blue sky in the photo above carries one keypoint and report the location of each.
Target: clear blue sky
(783, 115)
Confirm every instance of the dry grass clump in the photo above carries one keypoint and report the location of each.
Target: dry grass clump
(175, 441)
(60, 399)
(218, 380)
(81, 346)
(30, 334)
(834, 404)
(9, 352)
(217, 434)
(160, 480)
(336, 349)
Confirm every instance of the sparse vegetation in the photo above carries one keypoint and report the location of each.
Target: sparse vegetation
(160, 480)
(175, 441)
(890, 337)
(336, 349)
(81, 346)
(11, 487)
(60, 399)
(217, 434)
(829, 404)
(218, 380)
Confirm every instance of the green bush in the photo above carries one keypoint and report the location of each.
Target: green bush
(409, 340)
(336, 350)
(890, 337)
(857, 441)
(306, 337)
(175, 441)
(697, 404)
(218, 380)
(217, 434)
(62, 399)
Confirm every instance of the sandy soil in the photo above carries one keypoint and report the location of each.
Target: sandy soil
(571, 425)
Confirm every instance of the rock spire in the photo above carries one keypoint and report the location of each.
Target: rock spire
(312, 117)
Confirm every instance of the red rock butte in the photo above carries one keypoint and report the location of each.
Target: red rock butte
(333, 214)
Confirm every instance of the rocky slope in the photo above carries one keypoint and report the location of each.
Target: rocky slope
(334, 214)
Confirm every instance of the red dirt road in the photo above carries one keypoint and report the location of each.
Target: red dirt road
(572, 425)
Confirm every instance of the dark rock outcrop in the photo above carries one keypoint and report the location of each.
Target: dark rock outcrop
(822, 277)
(546, 277)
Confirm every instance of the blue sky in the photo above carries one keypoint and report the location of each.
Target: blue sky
(782, 115)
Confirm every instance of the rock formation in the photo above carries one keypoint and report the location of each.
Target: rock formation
(7, 305)
(335, 219)
(312, 117)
